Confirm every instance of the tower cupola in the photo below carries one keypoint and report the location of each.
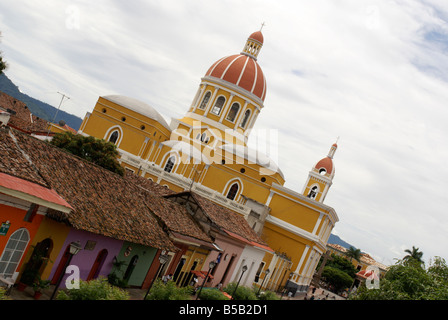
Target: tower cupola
(320, 177)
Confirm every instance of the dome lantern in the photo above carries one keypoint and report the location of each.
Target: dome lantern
(253, 45)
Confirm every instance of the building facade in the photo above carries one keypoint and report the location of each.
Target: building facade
(206, 152)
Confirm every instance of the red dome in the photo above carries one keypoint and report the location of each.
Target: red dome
(257, 36)
(242, 71)
(325, 163)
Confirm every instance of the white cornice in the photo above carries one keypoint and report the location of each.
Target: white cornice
(237, 90)
(296, 230)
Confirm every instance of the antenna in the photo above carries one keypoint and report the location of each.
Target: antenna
(60, 103)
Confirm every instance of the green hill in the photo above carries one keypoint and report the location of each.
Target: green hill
(37, 107)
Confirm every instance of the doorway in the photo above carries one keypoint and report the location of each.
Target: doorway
(97, 265)
(130, 268)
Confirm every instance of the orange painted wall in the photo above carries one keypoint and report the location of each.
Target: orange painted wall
(15, 217)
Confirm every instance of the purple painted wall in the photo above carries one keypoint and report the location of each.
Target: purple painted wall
(87, 256)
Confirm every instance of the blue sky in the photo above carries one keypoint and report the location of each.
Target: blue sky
(371, 73)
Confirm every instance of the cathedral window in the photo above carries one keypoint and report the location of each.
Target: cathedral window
(114, 137)
(233, 191)
(233, 112)
(313, 192)
(245, 119)
(205, 100)
(170, 164)
(218, 105)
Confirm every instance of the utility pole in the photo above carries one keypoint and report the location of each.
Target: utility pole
(57, 111)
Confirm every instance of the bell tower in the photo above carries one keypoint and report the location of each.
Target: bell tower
(320, 177)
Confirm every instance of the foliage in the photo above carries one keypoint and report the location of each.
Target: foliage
(212, 294)
(40, 284)
(3, 295)
(408, 280)
(413, 255)
(242, 293)
(98, 151)
(268, 295)
(113, 277)
(354, 253)
(168, 291)
(98, 289)
(337, 278)
(3, 64)
(342, 264)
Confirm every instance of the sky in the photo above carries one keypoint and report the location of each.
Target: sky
(373, 73)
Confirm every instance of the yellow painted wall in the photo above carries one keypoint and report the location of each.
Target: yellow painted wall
(293, 212)
(57, 232)
(135, 128)
(283, 241)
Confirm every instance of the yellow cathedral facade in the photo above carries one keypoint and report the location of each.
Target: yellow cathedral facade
(206, 152)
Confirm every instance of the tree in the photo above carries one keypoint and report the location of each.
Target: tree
(414, 255)
(98, 151)
(342, 264)
(337, 278)
(354, 253)
(3, 64)
(409, 281)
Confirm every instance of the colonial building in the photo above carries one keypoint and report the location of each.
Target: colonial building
(206, 152)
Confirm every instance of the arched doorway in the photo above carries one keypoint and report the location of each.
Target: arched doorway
(97, 265)
(39, 258)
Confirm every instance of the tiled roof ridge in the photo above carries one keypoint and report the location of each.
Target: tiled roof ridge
(65, 151)
(245, 236)
(90, 221)
(26, 156)
(194, 221)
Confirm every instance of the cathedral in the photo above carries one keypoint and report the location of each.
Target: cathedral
(206, 152)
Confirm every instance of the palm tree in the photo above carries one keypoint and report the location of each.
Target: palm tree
(354, 253)
(414, 255)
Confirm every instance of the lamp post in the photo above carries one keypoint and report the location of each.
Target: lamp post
(244, 269)
(163, 258)
(74, 248)
(265, 276)
(211, 265)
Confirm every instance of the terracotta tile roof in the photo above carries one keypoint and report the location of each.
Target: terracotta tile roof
(180, 222)
(104, 203)
(147, 184)
(365, 257)
(13, 162)
(226, 219)
(21, 117)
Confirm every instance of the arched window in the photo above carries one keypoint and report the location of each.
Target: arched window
(218, 105)
(170, 164)
(114, 137)
(313, 192)
(233, 191)
(245, 118)
(233, 112)
(13, 252)
(205, 100)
